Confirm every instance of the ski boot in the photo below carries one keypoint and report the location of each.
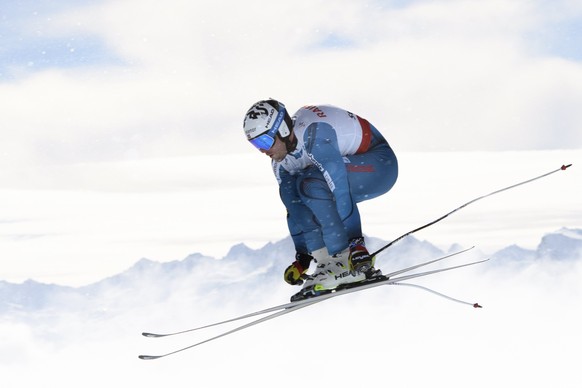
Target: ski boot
(331, 272)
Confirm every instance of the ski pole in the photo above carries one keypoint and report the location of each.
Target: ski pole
(564, 167)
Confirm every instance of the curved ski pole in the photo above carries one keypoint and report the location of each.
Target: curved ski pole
(475, 305)
(294, 304)
(564, 167)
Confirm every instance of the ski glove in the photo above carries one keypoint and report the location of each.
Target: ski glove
(359, 258)
(295, 272)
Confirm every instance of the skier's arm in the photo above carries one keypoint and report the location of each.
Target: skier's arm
(322, 147)
(304, 230)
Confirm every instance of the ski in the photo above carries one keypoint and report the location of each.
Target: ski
(355, 287)
(297, 303)
(246, 326)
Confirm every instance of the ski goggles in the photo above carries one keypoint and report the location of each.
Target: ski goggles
(266, 139)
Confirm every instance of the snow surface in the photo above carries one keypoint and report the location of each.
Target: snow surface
(527, 334)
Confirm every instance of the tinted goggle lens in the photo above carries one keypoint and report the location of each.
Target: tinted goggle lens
(263, 142)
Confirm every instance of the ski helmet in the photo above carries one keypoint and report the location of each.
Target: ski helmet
(266, 120)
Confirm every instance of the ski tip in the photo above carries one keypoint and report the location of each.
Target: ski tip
(477, 306)
(565, 166)
(151, 335)
(142, 357)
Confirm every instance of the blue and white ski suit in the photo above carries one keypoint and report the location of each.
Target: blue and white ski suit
(340, 160)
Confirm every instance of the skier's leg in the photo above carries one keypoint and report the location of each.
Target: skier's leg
(370, 174)
(303, 225)
(373, 173)
(315, 193)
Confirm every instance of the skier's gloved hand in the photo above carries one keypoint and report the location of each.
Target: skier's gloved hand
(359, 258)
(294, 273)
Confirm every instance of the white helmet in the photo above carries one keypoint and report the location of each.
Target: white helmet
(266, 120)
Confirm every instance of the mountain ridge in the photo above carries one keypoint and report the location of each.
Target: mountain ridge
(238, 271)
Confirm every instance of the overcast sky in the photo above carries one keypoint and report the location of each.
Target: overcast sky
(84, 81)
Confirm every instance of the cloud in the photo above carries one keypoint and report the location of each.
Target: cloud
(525, 333)
(149, 79)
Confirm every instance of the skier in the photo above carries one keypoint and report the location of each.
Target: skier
(326, 160)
